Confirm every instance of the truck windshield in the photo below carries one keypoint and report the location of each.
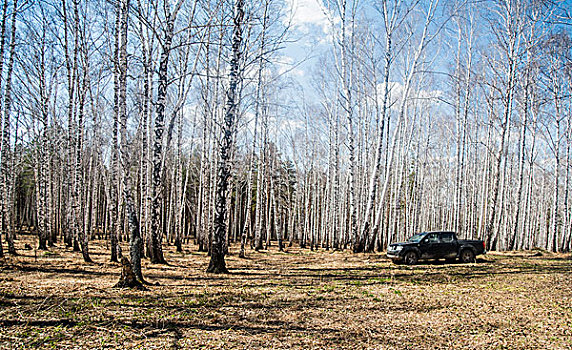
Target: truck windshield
(418, 237)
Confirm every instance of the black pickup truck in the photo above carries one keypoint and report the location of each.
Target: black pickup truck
(435, 245)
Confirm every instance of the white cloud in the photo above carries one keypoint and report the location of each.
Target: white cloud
(396, 90)
(308, 13)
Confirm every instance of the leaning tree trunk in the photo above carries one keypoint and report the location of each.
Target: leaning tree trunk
(217, 263)
(512, 42)
(372, 193)
(411, 71)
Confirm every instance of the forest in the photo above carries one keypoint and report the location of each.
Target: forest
(245, 141)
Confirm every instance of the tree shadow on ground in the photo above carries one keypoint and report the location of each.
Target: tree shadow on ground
(59, 270)
(160, 324)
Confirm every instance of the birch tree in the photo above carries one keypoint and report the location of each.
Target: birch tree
(7, 155)
(509, 39)
(217, 263)
(170, 16)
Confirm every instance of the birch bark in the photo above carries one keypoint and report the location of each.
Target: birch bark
(6, 152)
(217, 263)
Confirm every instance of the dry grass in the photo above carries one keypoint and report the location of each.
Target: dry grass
(294, 300)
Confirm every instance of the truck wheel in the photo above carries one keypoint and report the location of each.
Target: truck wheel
(411, 258)
(467, 256)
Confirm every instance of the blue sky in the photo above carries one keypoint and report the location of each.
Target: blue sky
(310, 34)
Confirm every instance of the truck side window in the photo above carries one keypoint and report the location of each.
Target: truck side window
(432, 238)
(447, 237)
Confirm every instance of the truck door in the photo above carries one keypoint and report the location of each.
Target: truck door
(429, 246)
(447, 245)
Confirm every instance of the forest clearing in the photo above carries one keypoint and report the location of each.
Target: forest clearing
(299, 299)
(253, 159)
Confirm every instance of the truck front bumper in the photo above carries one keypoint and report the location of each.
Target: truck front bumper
(394, 255)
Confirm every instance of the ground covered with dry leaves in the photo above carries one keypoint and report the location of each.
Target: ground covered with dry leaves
(293, 300)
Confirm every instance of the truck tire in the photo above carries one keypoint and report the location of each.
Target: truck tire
(411, 258)
(467, 256)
